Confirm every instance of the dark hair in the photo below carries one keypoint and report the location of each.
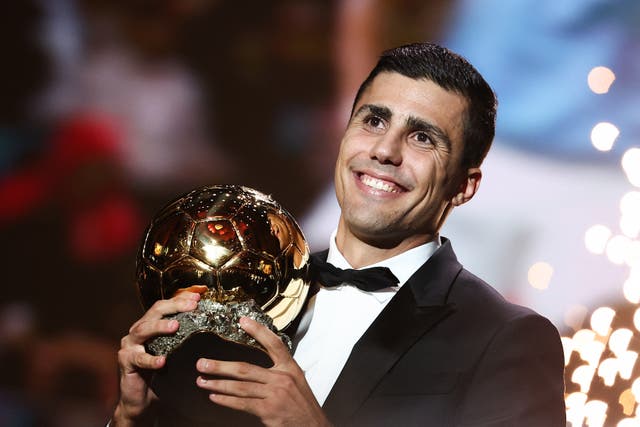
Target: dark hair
(453, 73)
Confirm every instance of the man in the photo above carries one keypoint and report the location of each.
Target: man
(441, 348)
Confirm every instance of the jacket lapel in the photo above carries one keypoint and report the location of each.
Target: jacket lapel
(417, 307)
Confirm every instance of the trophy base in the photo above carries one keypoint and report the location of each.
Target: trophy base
(222, 319)
(182, 402)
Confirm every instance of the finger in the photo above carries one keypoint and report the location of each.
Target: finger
(152, 322)
(136, 358)
(184, 301)
(233, 387)
(200, 289)
(245, 404)
(276, 349)
(237, 370)
(147, 361)
(143, 330)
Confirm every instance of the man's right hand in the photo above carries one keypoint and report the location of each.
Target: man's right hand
(136, 399)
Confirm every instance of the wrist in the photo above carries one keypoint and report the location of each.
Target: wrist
(120, 418)
(123, 418)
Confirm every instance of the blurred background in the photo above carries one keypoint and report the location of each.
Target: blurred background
(111, 108)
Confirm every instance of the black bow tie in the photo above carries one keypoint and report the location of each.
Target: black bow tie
(368, 279)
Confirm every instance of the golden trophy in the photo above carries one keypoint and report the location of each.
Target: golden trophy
(247, 256)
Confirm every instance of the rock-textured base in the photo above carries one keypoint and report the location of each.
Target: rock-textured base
(220, 319)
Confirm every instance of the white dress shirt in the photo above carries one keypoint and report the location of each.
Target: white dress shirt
(337, 317)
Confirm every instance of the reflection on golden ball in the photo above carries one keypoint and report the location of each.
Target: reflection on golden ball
(232, 244)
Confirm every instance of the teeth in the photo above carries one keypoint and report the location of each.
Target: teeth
(377, 184)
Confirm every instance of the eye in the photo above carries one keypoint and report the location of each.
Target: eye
(374, 122)
(422, 137)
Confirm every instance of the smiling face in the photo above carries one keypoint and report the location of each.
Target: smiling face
(398, 172)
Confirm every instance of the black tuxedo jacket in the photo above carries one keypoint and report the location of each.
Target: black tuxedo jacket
(448, 350)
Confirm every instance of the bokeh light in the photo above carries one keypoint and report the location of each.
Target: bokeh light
(540, 275)
(608, 370)
(631, 165)
(600, 79)
(630, 203)
(635, 388)
(596, 238)
(619, 341)
(617, 249)
(583, 375)
(627, 363)
(601, 320)
(603, 135)
(595, 413)
(606, 389)
(629, 422)
(636, 323)
(591, 352)
(631, 290)
(630, 225)
(628, 401)
(575, 407)
(632, 257)
(630, 210)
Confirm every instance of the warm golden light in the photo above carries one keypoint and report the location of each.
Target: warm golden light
(636, 321)
(608, 351)
(603, 135)
(596, 237)
(631, 165)
(627, 363)
(592, 352)
(590, 349)
(631, 291)
(601, 320)
(158, 249)
(600, 79)
(608, 370)
(629, 422)
(583, 375)
(583, 343)
(628, 402)
(215, 253)
(635, 388)
(619, 341)
(583, 336)
(567, 348)
(595, 412)
(575, 408)
(576, 399)
(540, 275)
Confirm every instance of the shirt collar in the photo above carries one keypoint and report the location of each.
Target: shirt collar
(402, 265)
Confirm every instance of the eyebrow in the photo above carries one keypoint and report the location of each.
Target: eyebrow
(417, 124)
(413, 123)
(383, 112)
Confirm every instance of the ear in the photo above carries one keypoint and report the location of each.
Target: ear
(468, 187)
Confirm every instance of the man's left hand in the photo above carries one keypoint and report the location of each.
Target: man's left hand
(279, 396)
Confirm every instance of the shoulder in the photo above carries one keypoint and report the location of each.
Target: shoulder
(472, 294)
(487, 318)
(507, 345)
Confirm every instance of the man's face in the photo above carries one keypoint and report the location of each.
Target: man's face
(398, 170)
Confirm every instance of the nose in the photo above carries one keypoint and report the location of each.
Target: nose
(387, 150)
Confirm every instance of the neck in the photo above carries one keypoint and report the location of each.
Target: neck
(362, 251)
